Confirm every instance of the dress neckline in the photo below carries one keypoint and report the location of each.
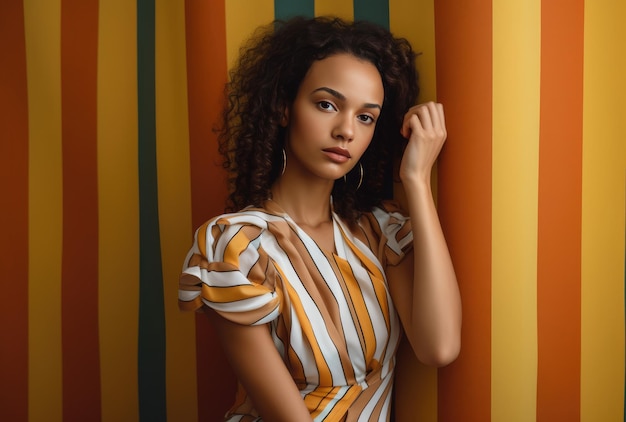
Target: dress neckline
(338, 228)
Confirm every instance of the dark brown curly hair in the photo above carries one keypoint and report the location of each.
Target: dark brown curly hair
(265, 82)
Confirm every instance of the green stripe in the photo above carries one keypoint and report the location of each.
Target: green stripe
(376, 11)
(151, 353)
(285, 9)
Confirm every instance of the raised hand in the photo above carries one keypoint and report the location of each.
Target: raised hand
(424, 125)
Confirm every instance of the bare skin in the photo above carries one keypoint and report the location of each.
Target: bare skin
(337, 105)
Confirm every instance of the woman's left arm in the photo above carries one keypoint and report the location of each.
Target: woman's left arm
(424, 286)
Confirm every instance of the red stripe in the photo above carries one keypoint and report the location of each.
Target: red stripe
(13, 214)
(81, 360)
(464, 77)
(560, 208)
(206, 75)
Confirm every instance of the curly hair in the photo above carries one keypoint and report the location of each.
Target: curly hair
(265, 82)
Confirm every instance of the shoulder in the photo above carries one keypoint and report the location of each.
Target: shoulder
(245, 226)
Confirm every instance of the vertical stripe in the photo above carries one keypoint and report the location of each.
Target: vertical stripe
(341, 8)
(118, 209)
(151, 349)
(14, 214)
(464, 41)
(285, 9)
(242, 18)
(415, 21)
(172, 136)
(81, 357)
(516, 47)
(416, 384)
(376, 11)
(45, 222)
(603, 193)
(559, 221)
(206, 76)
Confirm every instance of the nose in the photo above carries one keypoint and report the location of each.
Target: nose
(344, 128)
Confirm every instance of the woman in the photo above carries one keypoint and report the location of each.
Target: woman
(312, 279)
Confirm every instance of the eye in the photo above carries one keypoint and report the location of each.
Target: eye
(366, 118)
(326, 105)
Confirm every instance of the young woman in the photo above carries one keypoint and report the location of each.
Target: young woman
(313, 277)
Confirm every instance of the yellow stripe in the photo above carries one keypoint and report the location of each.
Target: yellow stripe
(242, 18)
(236, 246)
(172, 133)
(516, 73)
(604, 162)
(416, 392)
(415, 21)
(43, 54)
(118, 209)
(234, 294)
(340, 8)
(325, 376)
(360, 308)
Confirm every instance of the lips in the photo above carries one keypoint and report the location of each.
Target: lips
(338, 151)
(337, 155)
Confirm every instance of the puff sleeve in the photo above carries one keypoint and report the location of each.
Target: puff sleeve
(394, 237)
(228, 271)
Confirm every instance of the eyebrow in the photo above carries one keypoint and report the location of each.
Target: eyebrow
(342, 97)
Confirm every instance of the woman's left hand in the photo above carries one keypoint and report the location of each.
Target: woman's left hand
(425, 127)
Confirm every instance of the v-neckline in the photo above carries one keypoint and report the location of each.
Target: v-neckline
(339, 242)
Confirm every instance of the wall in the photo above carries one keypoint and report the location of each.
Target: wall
(107, 163)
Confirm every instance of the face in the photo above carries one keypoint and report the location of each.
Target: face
(332, 119)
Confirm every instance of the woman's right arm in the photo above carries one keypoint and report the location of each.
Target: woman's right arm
(261, 370)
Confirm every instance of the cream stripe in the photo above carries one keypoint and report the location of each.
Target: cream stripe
(416, 392)
(604, 164)
(341, 8)
(516, 72)
(43, 56)
(242, 18)
(172, 134)
(118, 209)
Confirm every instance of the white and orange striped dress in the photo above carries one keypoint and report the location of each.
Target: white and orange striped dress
(329, 312)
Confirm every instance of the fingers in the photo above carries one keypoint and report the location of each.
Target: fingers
(427, 118)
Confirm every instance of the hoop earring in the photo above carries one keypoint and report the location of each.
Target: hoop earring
(284, 162)
(345, 179)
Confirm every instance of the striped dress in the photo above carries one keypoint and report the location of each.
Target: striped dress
(329, 312)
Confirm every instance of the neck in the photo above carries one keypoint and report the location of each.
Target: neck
(307, 204)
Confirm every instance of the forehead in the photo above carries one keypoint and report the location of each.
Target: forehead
(353, 77)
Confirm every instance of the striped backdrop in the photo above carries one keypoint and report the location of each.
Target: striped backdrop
(107, 163)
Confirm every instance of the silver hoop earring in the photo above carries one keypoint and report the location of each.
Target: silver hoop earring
(284, 162)
(345, 179)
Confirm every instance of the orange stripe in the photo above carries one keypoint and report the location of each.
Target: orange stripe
(560, 205)
(237, 245)
(14, 214)
(360, 307)
(325, 376)
(206, 76)
(464, 65)
(81, 357)
(233, 294)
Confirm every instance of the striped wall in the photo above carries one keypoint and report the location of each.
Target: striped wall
(107, 163)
